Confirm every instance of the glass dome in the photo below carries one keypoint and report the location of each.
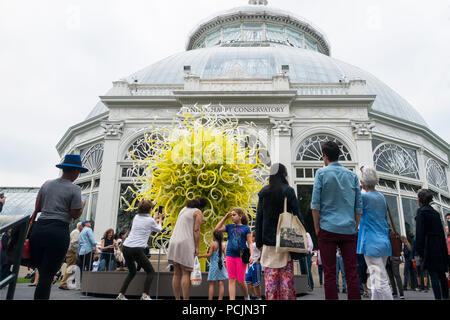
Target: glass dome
(305, 66)
(253, 42)
(257, 25)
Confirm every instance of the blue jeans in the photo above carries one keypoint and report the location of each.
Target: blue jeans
(305, 268)
(409, 275)
(362, 271)
(111, 265)
(309, 262)
(340, 267)
(320, 271)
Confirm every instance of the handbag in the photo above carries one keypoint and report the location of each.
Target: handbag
(243, 253)
(196, 274)
(12, 243)
(396, 241)
(291, 234)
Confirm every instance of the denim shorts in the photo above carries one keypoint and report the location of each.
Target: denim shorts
(253, 276)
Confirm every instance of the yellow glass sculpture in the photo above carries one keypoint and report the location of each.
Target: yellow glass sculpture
(203, 154)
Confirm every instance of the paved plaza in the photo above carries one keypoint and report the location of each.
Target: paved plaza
(24, 292)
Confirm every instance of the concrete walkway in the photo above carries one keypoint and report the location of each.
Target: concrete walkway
(24, 292)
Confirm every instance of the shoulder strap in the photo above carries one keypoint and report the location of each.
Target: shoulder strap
(33, 216)
(38, 202)
(392, 220)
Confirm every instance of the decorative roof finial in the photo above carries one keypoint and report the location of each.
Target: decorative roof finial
(258, 2)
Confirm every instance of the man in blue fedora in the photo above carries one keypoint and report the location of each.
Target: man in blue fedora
(59, 202)
(72, 162)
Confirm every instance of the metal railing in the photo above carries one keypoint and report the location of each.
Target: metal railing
(20, 228)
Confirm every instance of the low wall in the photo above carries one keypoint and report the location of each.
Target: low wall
(109, 283)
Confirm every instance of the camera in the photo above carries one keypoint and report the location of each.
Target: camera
(2, 195)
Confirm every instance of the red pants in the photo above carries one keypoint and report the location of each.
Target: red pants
(328, 243)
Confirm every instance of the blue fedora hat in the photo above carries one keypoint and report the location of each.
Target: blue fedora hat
(72, 161)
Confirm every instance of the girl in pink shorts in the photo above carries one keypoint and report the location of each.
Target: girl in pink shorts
(239, 237)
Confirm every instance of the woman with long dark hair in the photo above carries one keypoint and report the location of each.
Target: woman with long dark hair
(184, 245)
(107, 246)
(278, 267)
(431, 244)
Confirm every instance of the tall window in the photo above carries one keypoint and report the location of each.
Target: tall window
(275, 33)
(89, 182)
(295, 37)
(410, 207)
(436, 174)
(391, 202)
(125, 218)
(232, 33)
(252, 32)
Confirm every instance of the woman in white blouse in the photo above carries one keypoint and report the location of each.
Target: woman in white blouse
(134, 245)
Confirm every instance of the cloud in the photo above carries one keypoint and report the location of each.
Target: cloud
(57, 57)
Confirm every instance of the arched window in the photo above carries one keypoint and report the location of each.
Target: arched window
(311, 149)
(145, 147)
(436, 175)
(397, 160)
(92, 158)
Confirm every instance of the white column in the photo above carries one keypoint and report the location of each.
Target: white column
(107, 198)
(401, 216)
(422, 168)
(362, 131)
(281, 144)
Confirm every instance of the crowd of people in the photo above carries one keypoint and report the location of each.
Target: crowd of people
(351, 221)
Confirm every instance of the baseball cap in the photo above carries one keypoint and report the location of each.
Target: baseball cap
(83, 223)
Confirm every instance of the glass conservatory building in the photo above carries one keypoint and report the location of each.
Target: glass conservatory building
(275, 69)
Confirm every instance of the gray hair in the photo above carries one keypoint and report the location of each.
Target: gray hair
(369, 177)
(78, 224)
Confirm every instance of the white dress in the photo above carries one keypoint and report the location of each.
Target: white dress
(182, 246)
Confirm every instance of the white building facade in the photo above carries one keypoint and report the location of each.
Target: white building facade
(272, 68)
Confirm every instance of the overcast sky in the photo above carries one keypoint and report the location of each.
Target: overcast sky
(58, 56)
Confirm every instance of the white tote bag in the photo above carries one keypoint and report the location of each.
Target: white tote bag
(291, 234)
(196, 274)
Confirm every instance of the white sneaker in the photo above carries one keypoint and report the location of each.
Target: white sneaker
(146, 298)
(119, 298)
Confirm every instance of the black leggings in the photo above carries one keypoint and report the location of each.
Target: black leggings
(49, 241)
(131, 256)
(439, 284)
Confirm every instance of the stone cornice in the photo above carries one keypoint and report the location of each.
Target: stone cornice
(121, 101)
(412, 127)
(333, 100)
(80, 128)
(243, 97)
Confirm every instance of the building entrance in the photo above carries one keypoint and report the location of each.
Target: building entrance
(304, 195)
